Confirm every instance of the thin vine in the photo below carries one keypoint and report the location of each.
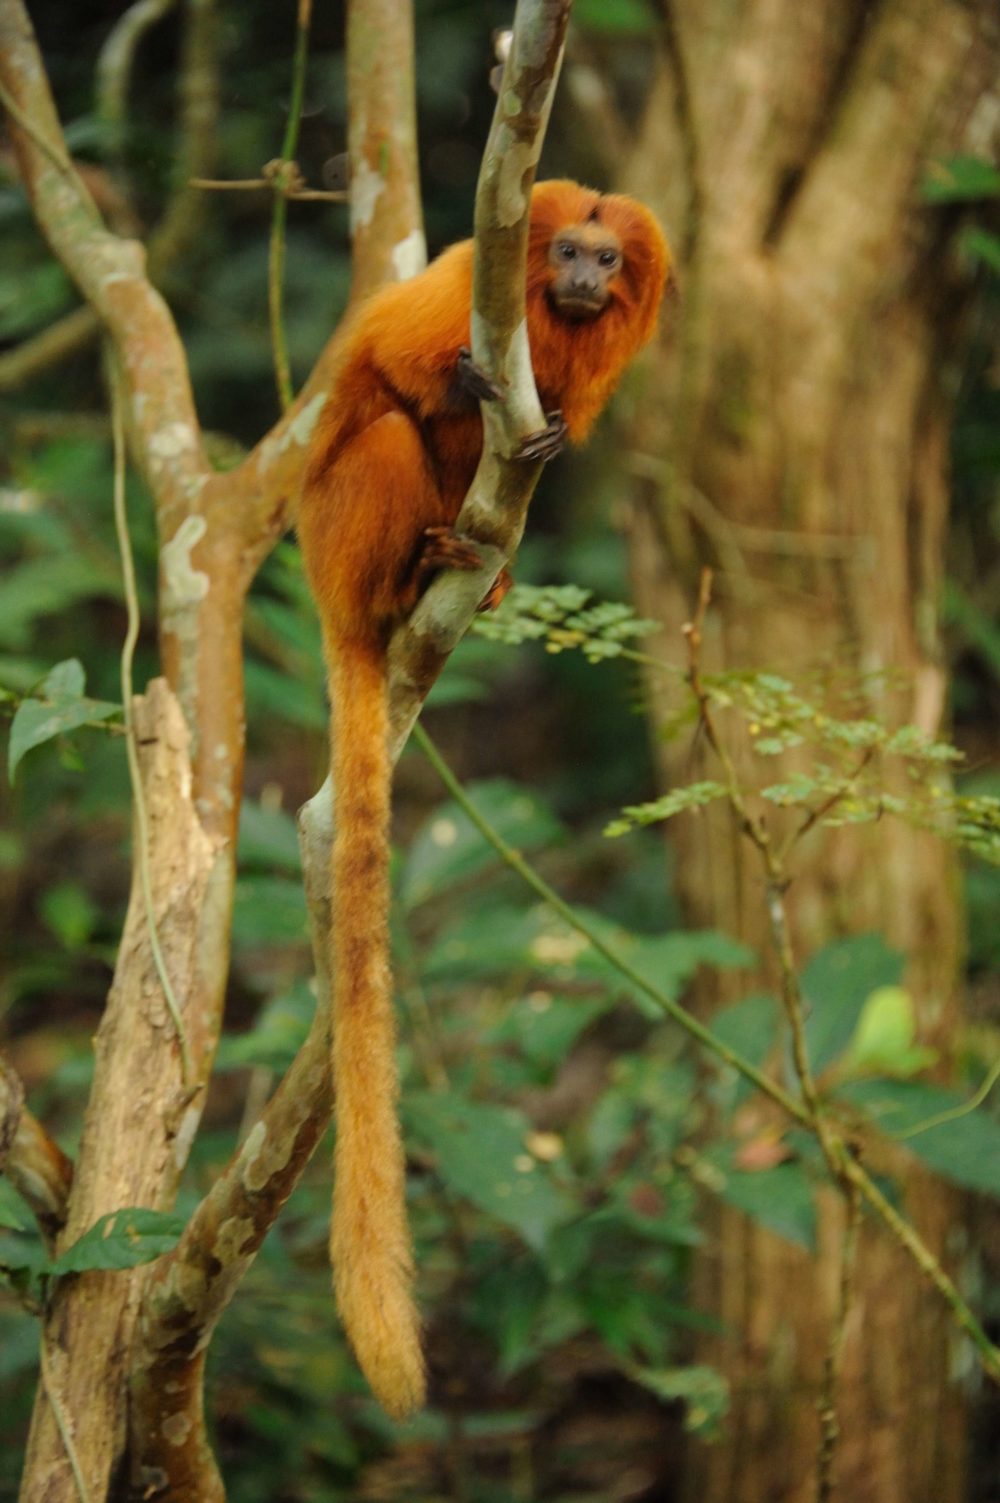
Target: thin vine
(134, 772)
(284, 174)
(844, 1167)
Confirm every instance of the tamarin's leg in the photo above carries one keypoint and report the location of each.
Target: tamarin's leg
(361, 526)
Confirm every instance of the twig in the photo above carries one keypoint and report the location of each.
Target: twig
(55, 153)
(827, 1406)
(276, 250)
(955, 1112)
(288, 190)
(135, 772)
(114, 62)
(822, 810)
(846, 1172)
(846, 1167)
(661, 1000)
(62, 1423)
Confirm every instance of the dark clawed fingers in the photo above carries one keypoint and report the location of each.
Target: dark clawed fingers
(473, 380)
(547, 442)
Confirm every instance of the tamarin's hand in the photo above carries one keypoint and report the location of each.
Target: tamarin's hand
(394, 453)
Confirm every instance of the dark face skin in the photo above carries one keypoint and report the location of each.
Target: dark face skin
(585, 260)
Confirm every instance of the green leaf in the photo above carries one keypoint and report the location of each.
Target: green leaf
(268, 911)
(703, 1390)
(44, 586)
(980, 245)
(23, 1258)
(481, 1154)
(961, 178)
(276, 1035)
(883, 1041)
(507, 1306)
(617, 17)
(449, 849)
(12, 1210)
(275, 694)
(123, 1239)
(780, 1198)
(268, 838)
(677, 801)
(750, 1028)
(836, 982)
(70, 913)
(544, 1027)
(59, 708)
(965, 1149)
(497, 941)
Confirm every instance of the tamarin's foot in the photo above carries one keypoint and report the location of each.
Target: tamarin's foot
(472, 381)
(497, 591)
(444, 548)
(547, 442)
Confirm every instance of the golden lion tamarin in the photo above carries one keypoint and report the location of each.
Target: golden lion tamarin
(394, 453)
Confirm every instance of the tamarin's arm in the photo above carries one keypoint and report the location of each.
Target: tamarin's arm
(413, 334)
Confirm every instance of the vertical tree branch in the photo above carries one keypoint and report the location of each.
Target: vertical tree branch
(190, 1286)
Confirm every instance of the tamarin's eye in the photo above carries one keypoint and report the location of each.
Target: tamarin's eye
(608, 258)
(567, 251)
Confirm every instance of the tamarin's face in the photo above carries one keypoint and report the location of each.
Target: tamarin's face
(584, 260)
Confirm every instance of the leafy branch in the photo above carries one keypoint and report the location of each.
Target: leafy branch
(776, 708)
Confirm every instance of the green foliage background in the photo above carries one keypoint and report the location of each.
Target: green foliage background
(549, 1116)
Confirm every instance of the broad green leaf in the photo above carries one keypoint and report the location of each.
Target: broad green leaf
(703, 1391)
(666, 961)
(60, 707)
(275, 694)
(481, 1154)
(505, 940)
(620, 17)
(507, 1306)
(23, 1257)
(13, 1214)
(750, 1028)
(965, 1149)
(276, 1035)
(45, 586)
(70, 913)
(268, 911)
(123, 1239)
(268, 838)
(883, 1041)
(449, 848)
(780, 1198)
(836, 981)
(544, 1027)
(961, 178)
(981, 245)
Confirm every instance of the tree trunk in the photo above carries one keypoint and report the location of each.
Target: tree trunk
(802, 401)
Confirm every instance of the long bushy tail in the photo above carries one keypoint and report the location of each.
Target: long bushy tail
(369, 1236)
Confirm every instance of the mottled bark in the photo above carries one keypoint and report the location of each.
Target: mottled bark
(795, 436)
(139, 1123)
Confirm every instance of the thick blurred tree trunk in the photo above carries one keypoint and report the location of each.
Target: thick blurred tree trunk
(795, 436)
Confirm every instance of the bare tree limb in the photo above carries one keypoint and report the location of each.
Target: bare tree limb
(140, 1120)
(191, 1286)
(387, 228)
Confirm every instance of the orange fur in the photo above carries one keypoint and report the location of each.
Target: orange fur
(394, 453)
